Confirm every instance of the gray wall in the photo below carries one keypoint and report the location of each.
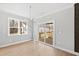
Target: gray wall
(4, 38)
(64, 25)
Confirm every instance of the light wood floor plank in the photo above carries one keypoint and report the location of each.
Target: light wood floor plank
(32, 49)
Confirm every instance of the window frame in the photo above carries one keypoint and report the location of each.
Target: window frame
(18, 21)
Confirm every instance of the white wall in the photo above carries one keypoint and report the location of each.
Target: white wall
(64, 26)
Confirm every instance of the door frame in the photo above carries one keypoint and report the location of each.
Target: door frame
(54, 31)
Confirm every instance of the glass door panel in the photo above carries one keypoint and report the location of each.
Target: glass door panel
(49, 38)
(41, 33)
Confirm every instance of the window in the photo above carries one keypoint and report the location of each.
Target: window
(23, 27)
(17, 27)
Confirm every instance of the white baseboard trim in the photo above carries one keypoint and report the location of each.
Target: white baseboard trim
(72, 52)
(18, 42)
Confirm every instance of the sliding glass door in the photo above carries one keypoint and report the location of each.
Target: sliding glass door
(46, 33)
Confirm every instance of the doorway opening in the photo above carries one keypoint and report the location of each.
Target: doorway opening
(46, 33)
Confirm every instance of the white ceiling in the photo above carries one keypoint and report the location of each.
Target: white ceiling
(37, 9)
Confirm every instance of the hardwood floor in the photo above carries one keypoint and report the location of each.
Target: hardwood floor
(32, 49)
